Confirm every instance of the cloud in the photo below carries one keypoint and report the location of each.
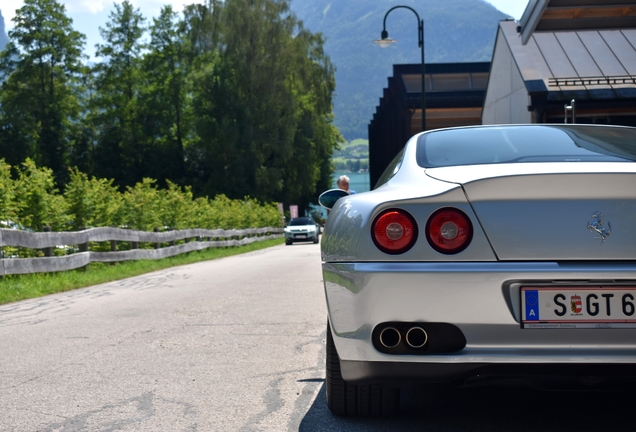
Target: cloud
(149, 8)
(8, 11)
(514, 8)
(152, 7)
(91, 6)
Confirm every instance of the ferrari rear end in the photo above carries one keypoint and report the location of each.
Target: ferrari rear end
(486, 253)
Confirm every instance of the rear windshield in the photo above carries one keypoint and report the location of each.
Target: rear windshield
(532, 143)
(391, 170)
(301, 221)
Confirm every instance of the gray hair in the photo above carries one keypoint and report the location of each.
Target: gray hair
(341, 179)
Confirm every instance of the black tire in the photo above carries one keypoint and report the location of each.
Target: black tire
(356, 400)
(316, 240)
(288, 242)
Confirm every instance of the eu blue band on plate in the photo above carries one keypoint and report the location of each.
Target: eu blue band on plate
(532, 305)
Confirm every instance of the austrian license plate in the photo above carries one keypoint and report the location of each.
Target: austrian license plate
(578, 307)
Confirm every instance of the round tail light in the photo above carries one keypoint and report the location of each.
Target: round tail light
(449, 231)
(394, 231)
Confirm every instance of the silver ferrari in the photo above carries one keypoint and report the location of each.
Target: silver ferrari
(484, 254)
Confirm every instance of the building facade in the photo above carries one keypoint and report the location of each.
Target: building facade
(454, 97)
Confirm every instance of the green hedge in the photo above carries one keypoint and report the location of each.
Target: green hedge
(30, 200)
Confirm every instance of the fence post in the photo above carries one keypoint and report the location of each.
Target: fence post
(83, 247)
(156, 243)
(48, 251)
(171, 242)
(113, 245)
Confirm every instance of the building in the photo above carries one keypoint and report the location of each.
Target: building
(535, 82)
(573, 59)
(565, 60)
(454, 97)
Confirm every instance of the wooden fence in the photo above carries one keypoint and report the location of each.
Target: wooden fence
(202, 239)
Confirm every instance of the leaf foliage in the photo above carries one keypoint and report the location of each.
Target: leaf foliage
(32, 201)
(228, 99)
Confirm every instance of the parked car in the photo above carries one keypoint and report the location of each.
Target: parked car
(301, 229)
(484, 254)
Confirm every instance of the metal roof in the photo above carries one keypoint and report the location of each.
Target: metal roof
(582, 64)
(559, 15)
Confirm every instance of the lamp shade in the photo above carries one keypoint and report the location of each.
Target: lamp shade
(384, 43)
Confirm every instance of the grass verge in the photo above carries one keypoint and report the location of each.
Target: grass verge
(20, 287)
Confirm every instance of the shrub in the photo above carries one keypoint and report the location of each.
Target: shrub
(32, 201)
(8, 204)
(38, 200)
(93, 202)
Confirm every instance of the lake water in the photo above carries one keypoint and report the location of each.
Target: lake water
(358, 182)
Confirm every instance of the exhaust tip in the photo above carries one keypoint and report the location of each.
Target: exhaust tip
(416, 337)
(390, 337)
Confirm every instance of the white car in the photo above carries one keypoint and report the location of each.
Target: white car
(301, 229)
(484, 254)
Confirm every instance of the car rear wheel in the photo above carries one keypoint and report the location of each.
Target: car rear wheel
(356, 400)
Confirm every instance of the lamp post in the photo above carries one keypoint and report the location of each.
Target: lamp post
(384, 42)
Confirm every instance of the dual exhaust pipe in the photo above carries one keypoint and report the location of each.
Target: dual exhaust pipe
(417, 338)
(414, 337)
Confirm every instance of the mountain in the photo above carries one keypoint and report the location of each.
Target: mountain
(454, 31)
(3, 34)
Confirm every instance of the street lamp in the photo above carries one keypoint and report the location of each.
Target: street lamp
(384, 42)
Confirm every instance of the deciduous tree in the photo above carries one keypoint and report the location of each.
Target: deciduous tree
(262, 104)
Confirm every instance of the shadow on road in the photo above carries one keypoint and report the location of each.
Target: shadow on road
(445, 408)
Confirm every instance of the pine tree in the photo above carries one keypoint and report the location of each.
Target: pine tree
(39, 106)
(164, 97)
(120, 143)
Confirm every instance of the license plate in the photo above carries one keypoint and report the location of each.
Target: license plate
(301, 235)
(578, 307)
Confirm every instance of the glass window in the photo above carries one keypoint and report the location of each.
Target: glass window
(480, 80)
(532, 143)
(412, 83)
(302, 221)
(391, 170)
(450, 82)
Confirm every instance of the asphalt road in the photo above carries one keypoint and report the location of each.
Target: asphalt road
(235, 344)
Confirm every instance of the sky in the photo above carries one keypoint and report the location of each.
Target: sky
(89, 15)
(514, 8)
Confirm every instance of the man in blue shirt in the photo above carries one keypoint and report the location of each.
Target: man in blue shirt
(343, 183)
